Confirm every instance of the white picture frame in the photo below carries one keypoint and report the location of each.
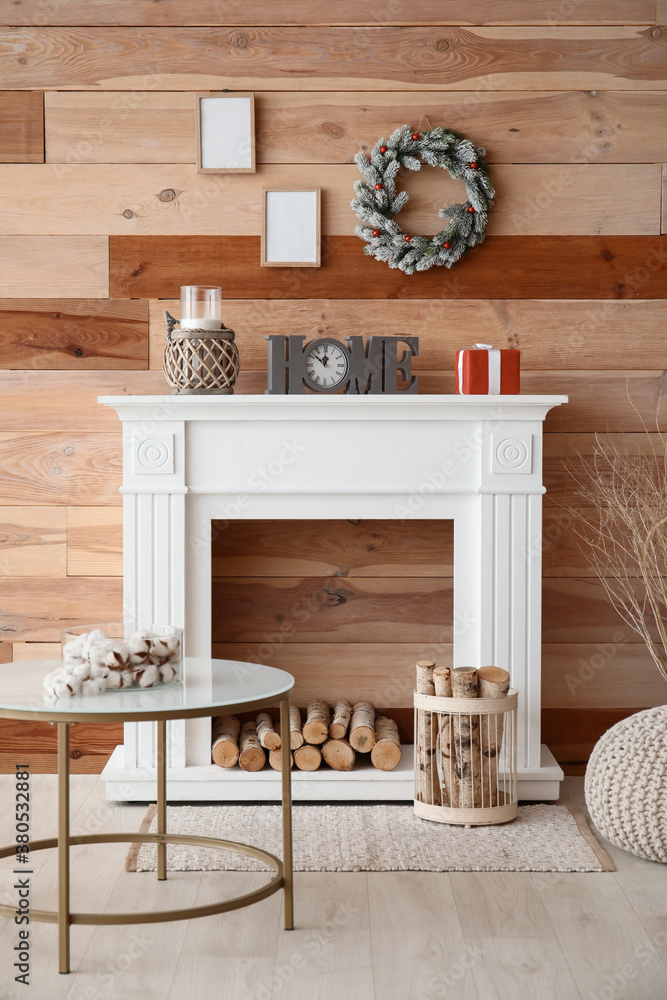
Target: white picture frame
(290, 227)
(225, 133)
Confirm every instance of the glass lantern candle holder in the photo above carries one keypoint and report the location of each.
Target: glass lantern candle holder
(201, 307)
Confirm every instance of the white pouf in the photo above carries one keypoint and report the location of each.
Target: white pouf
(626, 784)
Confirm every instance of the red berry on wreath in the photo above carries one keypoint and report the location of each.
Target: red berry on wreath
(378, 187)
(408, 238)
(383, 149)
(474, 165)
(447, 245)
(416, 136)
(471, 209)
(376, 232)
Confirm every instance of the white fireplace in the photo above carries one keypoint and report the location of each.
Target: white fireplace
(192, 460)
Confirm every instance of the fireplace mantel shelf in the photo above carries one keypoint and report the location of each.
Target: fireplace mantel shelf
(314, 407)
(475, 460)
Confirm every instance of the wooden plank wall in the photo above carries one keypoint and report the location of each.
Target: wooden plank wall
(103, 217)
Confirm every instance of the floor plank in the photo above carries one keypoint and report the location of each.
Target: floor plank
(522, 967)
(601, 936)
(499, 904)
(431, 956)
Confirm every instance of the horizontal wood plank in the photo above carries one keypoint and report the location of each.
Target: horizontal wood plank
(617, 673)
(567, 456)
(36, 743)
(34, 610)
(74, 334)
(516, 127)
(544, 267)
(67, 401)
(554, 335)
(322, 12)
(365, 548)
(571, 733)
(24, 651)
(47, 267)
(94, 541)
(604, 401)
(325, 58)
(147, 199)
(22, 127)
(312, 609)
(33, 541)
(60, 467)
(276, 610)
(383, 673)
(341, 549)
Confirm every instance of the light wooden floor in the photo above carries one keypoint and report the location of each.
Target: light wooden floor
(390, 936)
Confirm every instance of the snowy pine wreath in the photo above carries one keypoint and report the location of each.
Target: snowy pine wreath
(378, 203)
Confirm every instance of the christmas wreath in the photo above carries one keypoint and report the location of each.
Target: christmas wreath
(378, 203)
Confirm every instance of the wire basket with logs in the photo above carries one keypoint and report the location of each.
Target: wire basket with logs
(200, 362)
(332, 735)
(465, 750)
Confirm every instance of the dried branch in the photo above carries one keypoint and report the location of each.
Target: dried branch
(625, 541)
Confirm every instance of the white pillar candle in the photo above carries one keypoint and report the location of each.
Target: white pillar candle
(200, 324)
(201, 307)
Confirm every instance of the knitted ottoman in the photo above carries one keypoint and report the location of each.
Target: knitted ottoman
(626, 784)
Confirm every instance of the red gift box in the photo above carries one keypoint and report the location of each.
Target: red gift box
(487, 371)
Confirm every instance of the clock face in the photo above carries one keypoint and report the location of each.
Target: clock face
(327, 365)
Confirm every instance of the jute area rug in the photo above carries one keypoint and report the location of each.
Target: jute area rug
(377, 838)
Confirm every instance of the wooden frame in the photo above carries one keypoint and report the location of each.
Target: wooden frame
(238, 139)
(268, 246)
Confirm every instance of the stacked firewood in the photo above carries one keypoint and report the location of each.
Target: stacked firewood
(334, 736)
(457, 754)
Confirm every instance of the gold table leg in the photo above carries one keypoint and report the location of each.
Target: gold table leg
(63, 847)
(161, 797)
(286, 775)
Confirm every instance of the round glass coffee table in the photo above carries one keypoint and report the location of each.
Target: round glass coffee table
(211, 687)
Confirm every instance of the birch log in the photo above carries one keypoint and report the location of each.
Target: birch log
(225, 749)
(276, 759)
(466, 740)
(362, 732)
(308, 757)
(295, 734)
(338, 754)
(429, 785)
(266, 734)
(341, 720)
(449, 783)
(494, 682)
(316, 726)
(425, 683)
(251, 755)
(386, 754)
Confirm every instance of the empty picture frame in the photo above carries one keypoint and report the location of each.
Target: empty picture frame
(225, 133)
(290, 228)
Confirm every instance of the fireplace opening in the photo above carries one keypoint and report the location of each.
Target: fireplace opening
(347, 607)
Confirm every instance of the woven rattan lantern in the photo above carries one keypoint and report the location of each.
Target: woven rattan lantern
(200, 362)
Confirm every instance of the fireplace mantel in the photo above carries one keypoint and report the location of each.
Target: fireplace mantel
(188, 460)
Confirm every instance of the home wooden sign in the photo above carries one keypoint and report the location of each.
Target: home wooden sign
(327, 365)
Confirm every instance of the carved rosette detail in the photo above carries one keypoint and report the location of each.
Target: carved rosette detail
(154, 455)
(513, 454)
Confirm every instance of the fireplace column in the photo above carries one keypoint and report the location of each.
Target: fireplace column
(153, 557)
